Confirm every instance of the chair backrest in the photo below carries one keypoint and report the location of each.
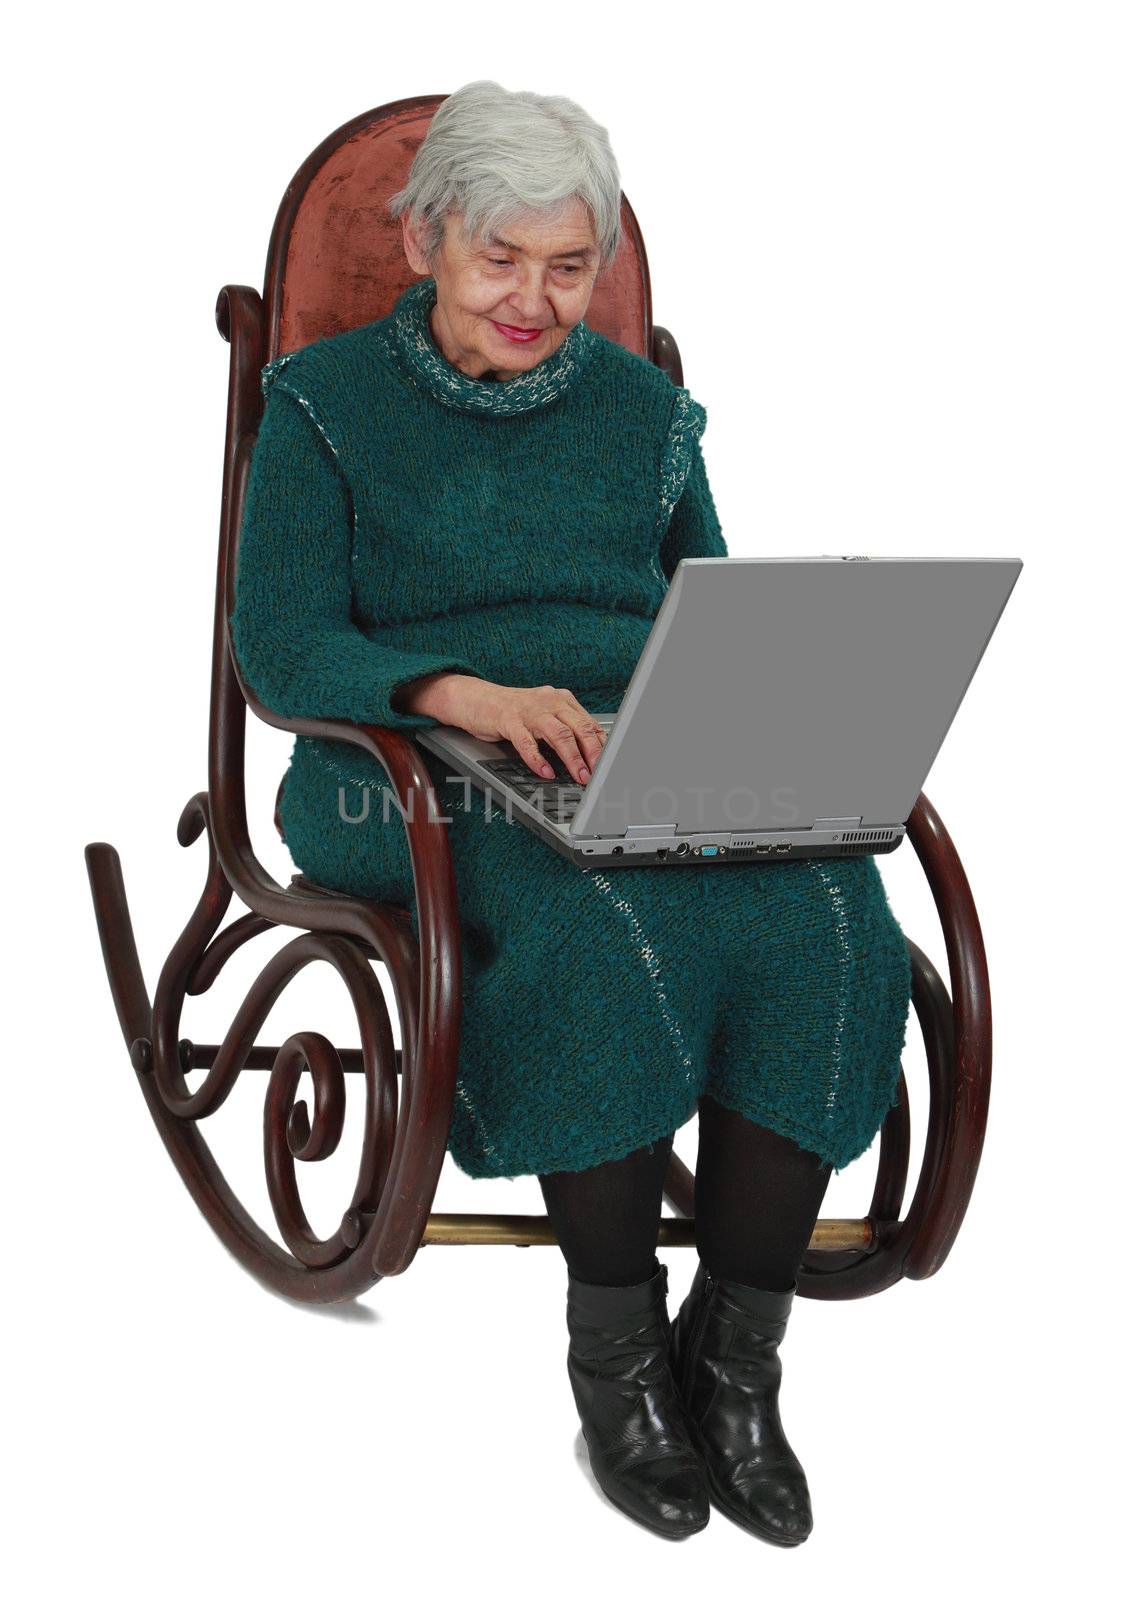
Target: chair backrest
(336, 259)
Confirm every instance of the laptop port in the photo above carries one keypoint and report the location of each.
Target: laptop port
(617, 849)
(763, 849)
(681, 849)
(661, 853)
(710, 849)
(782, 849)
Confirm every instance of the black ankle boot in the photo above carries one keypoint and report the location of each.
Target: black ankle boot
(724, 1357)
(641, 1453)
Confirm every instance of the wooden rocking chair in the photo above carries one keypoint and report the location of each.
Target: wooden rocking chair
(336, 261)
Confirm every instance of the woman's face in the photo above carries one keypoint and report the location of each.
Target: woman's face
(537, 279)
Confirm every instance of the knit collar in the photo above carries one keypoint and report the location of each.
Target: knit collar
(430, 370)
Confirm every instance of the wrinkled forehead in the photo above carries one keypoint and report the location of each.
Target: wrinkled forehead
(564, 233)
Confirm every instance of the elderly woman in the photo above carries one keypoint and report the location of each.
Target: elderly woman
(467, 512)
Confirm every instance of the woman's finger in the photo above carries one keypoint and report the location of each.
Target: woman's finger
(525, 742)
(561, 736)
(589, 735)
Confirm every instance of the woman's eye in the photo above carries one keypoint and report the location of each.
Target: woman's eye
(567, 267)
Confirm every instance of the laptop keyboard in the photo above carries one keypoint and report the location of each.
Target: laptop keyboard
(558, 797)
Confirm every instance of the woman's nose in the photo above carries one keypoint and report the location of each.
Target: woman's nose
(530, 303)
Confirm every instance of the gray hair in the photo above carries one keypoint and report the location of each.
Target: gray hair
(494, 156)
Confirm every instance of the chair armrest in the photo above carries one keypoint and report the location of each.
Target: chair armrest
(403, 763)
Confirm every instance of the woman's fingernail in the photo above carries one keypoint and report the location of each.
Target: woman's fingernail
(584, 774)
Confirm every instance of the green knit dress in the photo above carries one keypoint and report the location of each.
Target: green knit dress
(402, 518)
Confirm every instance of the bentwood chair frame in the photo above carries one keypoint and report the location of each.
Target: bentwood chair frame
(334, 262)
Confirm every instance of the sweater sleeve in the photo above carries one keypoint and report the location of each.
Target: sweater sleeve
(694, 528)
(291, 626)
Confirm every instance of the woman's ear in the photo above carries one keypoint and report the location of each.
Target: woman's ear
(412, 245)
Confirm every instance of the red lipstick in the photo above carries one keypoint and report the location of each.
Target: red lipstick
(518, 335)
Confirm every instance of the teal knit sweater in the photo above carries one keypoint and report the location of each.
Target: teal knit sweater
(401, 519)
(427, 537)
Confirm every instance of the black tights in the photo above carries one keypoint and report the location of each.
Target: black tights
(757, 1198)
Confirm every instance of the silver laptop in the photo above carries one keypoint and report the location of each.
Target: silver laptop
(782, 707)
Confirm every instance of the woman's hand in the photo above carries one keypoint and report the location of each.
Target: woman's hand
(494, 711)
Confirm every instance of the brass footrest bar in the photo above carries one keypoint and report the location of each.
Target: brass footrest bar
(469, 1227)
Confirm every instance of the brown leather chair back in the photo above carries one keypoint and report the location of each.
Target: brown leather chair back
(336, 259)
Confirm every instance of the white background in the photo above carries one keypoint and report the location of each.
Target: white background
(891, 240)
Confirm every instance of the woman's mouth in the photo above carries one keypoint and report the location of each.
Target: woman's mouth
(517, 335)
